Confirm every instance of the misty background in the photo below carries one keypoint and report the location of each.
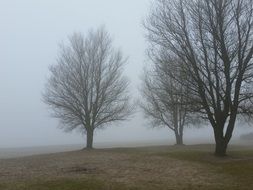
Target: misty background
(30, 34)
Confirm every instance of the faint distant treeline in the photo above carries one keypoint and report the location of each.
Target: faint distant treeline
(247, 137)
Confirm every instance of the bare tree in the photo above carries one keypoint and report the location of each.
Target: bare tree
(86, 89)
(165, 100)
(214, 41)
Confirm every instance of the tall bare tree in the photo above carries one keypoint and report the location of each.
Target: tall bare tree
(214, 41)
(166, 101)
(86, 89)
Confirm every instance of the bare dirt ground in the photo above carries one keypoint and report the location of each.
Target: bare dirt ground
(138, 168)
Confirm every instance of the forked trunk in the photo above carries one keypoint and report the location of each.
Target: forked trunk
(178, 126)
(222, 139)
(179, 137)
(221, 143)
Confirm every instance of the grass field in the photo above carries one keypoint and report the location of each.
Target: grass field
(149, 168)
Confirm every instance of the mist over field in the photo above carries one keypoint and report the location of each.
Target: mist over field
(105, 140)
(120, 95)
(31, 32)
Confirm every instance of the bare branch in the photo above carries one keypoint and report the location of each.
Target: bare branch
(86, 89)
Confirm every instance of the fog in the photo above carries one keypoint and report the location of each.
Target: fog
(30, 34)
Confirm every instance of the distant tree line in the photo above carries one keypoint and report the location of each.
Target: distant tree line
(247, 137)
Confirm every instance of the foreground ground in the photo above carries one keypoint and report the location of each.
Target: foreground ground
(162, 168)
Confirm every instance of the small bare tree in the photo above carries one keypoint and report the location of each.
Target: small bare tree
(86, 89)
(165, 100)
(214, 41)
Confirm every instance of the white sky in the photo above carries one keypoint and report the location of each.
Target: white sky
(30, 32)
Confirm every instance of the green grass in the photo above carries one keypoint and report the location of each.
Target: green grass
(238, 165)
(241, 170)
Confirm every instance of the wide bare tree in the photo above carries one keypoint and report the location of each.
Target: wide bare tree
(214, 41)
(165, 101)
(86, 89)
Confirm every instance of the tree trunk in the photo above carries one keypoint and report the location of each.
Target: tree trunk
(179, 139)
(221, 143)
(221, 139)
(221, 148)
(89, 139)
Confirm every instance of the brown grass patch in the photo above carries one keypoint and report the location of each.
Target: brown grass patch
(188, 167)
